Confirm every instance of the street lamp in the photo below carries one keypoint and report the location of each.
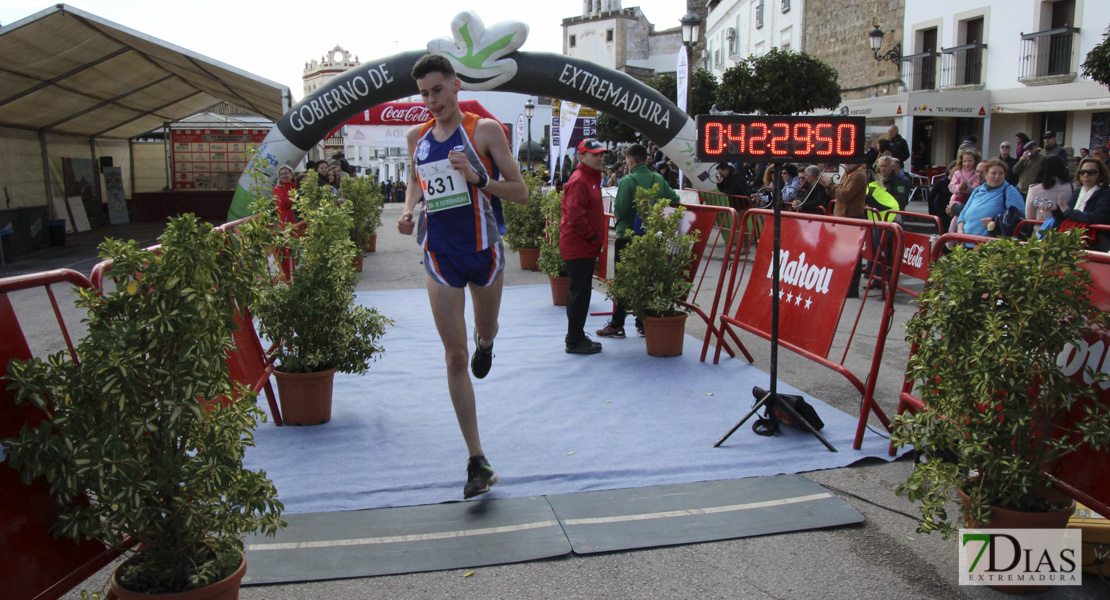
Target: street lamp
(895, 54)
(529, 110)
(691, 26)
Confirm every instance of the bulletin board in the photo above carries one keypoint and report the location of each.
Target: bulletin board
(211, 159)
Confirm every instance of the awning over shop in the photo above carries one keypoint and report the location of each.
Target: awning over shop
(70, 72)
(1053, 105)
(880, 107)
(920, 104)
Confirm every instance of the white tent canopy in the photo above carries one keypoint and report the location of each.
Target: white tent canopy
(75, 85)
(67, 71)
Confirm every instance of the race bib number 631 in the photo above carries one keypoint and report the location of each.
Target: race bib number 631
(444, 187)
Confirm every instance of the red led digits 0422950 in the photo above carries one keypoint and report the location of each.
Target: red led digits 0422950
(779, 138)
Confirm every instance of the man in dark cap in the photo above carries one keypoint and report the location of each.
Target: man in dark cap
(1051, 147)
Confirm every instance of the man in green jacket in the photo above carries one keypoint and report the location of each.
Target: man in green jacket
(624, 208)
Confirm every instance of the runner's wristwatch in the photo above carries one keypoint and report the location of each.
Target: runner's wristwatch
(483, 181)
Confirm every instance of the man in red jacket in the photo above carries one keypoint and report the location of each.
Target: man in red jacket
(582, 232)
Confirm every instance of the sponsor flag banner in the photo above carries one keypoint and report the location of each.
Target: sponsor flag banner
(683, 73)
(817, 260)
(568, 115)
(518, 137)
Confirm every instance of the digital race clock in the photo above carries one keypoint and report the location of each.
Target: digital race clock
(826, 139)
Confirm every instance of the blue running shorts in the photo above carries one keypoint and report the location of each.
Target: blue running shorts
(457, 270)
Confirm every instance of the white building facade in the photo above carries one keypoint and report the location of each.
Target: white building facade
(737, 29)
(995, 68)
(621, 39)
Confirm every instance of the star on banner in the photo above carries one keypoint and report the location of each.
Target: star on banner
(808, 302)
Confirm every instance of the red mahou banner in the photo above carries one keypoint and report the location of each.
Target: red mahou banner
(816, 263)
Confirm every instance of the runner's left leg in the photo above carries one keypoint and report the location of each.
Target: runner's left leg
(448, 306)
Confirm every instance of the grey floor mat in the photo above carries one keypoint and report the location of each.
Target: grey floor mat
(409, 539)
(687, 513)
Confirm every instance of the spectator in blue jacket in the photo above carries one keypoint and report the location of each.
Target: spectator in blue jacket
(988, 201)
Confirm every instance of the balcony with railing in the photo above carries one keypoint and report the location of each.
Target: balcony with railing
(919, 71)
(962, 66)
(1048, 56)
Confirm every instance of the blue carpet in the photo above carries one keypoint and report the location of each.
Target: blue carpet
(551, 423)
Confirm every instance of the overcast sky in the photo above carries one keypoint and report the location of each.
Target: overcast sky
(275, 39)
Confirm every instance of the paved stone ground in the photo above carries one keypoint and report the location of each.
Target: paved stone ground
(882, 558)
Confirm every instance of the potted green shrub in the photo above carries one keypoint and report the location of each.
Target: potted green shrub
(551, 259)
(139, 438)
(367, 202)
(314, 321)
(525, 224)
(652, 278)
(990, 329)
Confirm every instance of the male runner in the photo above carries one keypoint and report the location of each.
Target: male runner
(456, 158)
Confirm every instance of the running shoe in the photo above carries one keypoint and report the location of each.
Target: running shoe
(610, 332)
(482, 359)
(479, 477)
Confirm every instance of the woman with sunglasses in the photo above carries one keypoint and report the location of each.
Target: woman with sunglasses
(1090, 203)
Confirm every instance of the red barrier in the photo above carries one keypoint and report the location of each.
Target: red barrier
(917, 255)
(818, 257)
(712, 235)
(33, 563)
(1082, 475)
(601, 270)
(248, 363)
(740, 204)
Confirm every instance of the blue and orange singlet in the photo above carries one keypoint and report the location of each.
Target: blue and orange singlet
(457, 217)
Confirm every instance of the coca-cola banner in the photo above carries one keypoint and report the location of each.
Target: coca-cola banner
(916, 257)
(816, 263)
(397, 113)
(385, 125)
(407, 114)
(490, 60)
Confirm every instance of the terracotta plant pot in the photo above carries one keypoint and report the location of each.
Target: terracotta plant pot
(1003, 518)
(371, 244)
(560, 287)
(224, 589)
(358, 263)
(664, 335)
(529, 259)
(305, 397)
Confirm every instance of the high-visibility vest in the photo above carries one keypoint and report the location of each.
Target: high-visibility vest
(887, 203)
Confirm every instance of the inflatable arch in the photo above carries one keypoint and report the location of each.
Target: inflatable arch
(484, 59)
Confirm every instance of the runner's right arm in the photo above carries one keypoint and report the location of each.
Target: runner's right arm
(413, 192)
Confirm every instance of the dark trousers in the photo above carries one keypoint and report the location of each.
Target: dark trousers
(581, 273)
(619, 311)
(883, 263)
(853, 288)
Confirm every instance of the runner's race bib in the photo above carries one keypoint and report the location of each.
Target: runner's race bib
(444, 187)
